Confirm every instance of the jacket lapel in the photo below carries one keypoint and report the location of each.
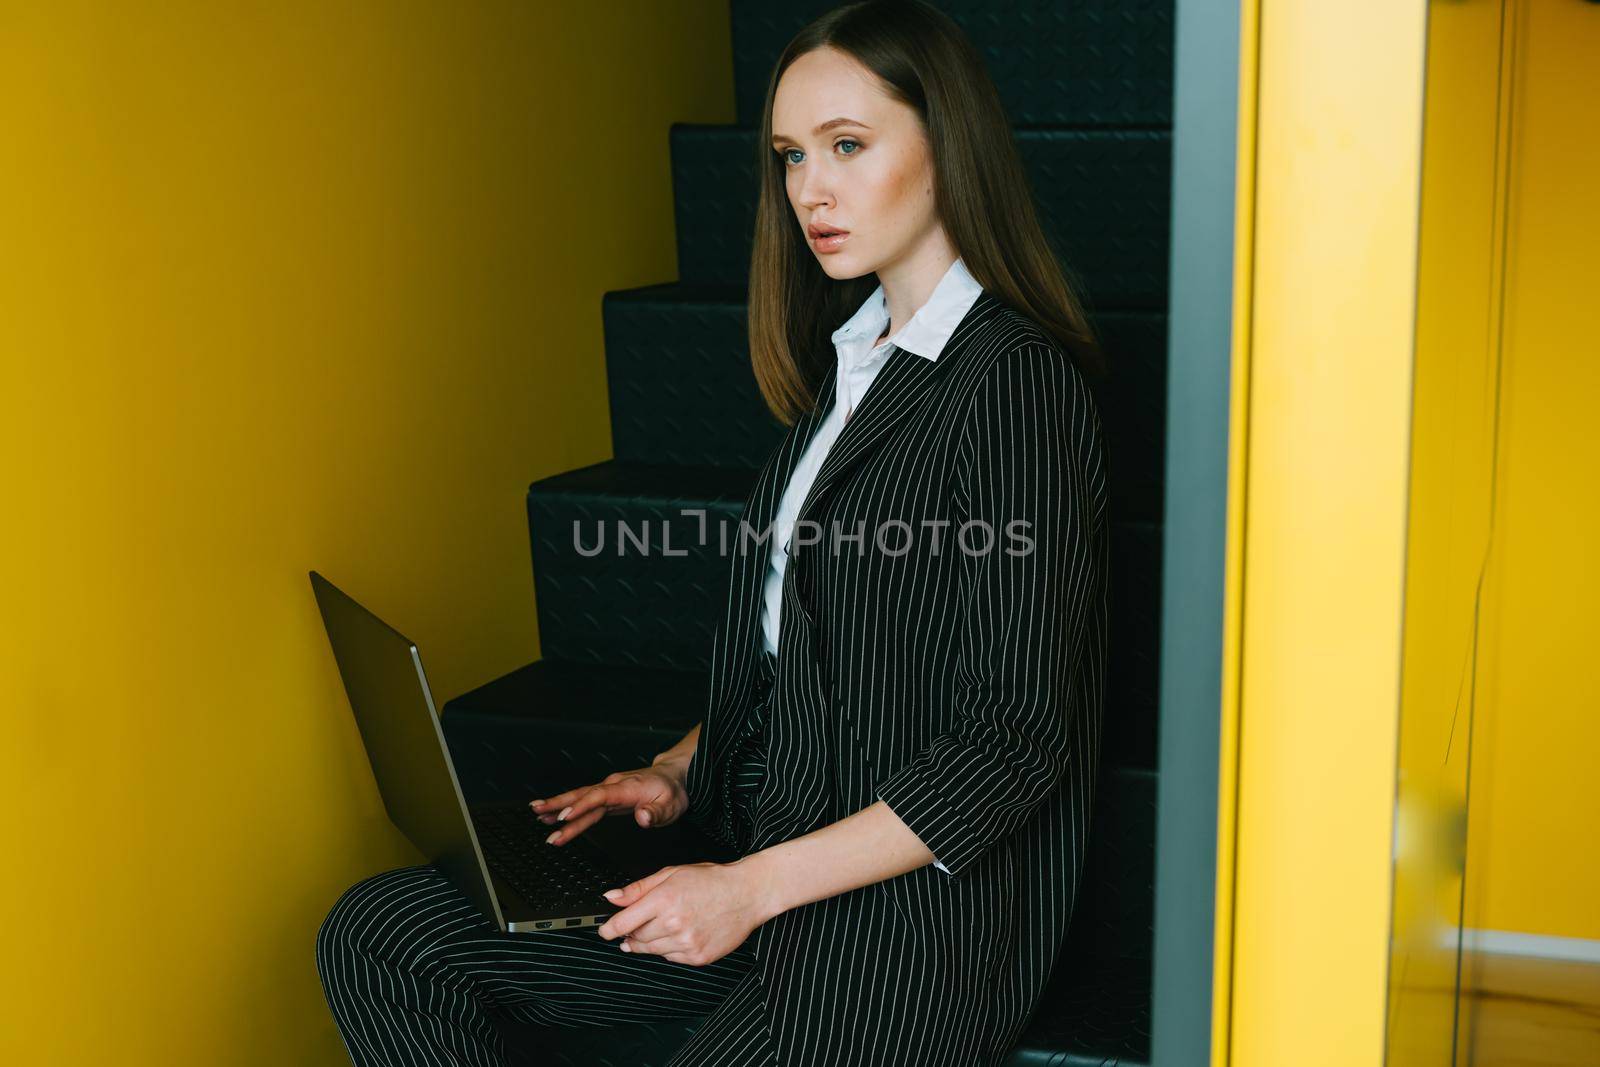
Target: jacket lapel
(744, 645)
(763, 505)
(736, 663)
(899, 389)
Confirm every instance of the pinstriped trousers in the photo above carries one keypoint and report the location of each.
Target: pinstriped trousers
(414, 974)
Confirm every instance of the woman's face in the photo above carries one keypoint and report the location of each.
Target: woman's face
(855, 160)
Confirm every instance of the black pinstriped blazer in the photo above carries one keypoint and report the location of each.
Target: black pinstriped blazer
(962, 686)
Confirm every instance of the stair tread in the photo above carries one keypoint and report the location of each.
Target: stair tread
(1065, 130)
(1090, 61)
(628, 696)
(686, 292)
(607, 695)
(721, 294)
(662, 482)
(665, 483)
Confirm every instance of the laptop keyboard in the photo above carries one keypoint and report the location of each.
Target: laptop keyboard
(546, 875)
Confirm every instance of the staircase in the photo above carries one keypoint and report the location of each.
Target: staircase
(626, 637)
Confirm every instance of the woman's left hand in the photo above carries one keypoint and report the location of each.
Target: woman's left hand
(694, 914)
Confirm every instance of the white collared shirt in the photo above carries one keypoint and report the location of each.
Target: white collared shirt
(858, 364)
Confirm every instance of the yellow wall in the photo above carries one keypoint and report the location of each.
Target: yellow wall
(1334, 106)
(282, 286)
(1532, 865)
(1460, 264)
(1456, 471)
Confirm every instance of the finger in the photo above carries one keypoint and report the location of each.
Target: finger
(655, 938)
(557, 802)
(629, 919)
(552, 809)
(554, 804)
(659, 946)
(630, 893)
(605, 797)
(652, 814)
(573, 827)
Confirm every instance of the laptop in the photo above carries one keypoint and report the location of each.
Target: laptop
(495, 852)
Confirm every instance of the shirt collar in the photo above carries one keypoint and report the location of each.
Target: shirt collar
(930, 328)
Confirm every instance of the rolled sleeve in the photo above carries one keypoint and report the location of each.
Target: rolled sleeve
(1029, 465)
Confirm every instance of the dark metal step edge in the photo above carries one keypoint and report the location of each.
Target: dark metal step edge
(503, 702)
(1099, 62)
(681, 389)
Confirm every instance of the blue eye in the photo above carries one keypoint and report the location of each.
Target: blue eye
(784, 154)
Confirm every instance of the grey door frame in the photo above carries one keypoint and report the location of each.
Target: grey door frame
(1199, 354)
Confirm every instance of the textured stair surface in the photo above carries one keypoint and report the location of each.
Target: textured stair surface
(682, 393)
(627, 560)
(678, 374)
(626, 622)
(550, 725)
(1055, 62)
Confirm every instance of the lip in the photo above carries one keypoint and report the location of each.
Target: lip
(828, 244)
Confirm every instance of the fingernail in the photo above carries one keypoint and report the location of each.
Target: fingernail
(551, 839)
(612, 894)
(533, 803)
(564, 812)
(625, 947)
(644, 818)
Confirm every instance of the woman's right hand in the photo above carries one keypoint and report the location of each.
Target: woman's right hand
(656, 795)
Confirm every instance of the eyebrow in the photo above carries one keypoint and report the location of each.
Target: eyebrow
(824, 128)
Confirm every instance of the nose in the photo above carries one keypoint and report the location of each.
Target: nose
(814, 191)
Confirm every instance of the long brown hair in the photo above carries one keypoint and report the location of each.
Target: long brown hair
(982, 197)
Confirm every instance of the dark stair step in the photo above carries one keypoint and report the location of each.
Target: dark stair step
(550, 726)
(679, 377)
(1102, 197)
(682, 392)
(631, 566)
(555, 724)
(628, 563)
(1088, 62)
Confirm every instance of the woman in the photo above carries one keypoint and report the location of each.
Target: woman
(903, 731)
